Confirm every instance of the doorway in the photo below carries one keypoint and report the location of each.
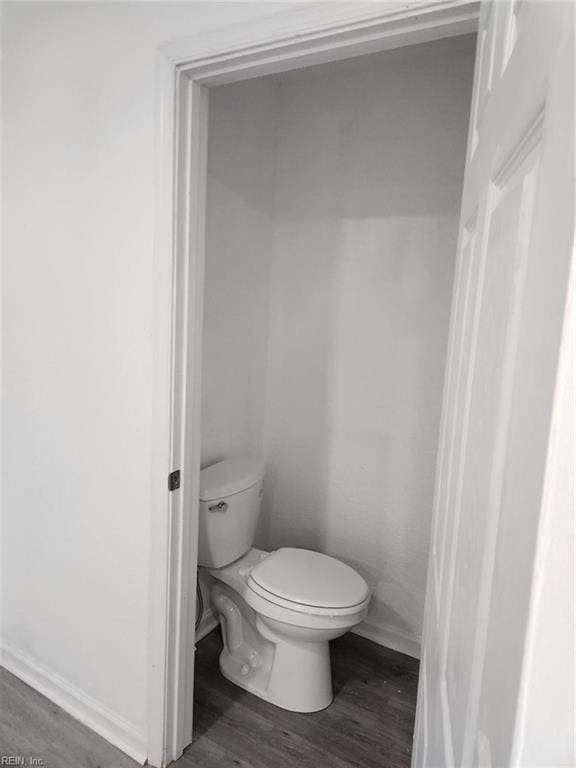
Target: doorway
(183, 135)
(517, 204)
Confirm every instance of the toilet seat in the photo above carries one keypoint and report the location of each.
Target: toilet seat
(307, 582)
(296, 616)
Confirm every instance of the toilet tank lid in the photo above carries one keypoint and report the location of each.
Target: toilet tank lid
(230, 476)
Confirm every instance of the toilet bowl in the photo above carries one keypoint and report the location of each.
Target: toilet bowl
(277, 610)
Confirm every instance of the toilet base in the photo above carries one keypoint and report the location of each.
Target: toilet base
(229, 668)
(309, 692)
(260, 656)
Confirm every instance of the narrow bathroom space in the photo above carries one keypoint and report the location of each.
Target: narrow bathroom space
(332, 216)
(369, 724)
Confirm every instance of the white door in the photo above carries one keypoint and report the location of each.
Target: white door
(515, 247)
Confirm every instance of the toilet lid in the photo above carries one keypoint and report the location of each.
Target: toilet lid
(309, 578)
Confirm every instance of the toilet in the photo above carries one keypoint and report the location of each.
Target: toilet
(277, 610)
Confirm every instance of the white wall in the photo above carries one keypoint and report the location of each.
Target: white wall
(369, 174)
(239, 233)
(78, 303)
(369, 164)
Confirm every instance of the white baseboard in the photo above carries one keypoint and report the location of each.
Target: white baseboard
(389, 638)
(78, 704)
(208, 623)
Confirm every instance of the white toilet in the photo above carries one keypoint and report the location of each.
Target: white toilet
(277, 610)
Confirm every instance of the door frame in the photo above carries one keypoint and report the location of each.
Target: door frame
(185, 70)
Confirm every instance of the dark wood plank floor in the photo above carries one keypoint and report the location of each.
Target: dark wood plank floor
(369, 724)
(31, 726)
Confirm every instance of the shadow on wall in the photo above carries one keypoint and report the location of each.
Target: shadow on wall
(301, 352)
(401, 134)
(238, 248)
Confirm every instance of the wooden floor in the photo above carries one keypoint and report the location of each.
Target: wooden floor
(31, 726)
(369, 724)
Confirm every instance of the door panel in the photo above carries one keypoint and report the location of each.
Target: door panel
(485, 459)
(513, 263)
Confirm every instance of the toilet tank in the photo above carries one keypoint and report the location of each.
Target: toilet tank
(230, 501)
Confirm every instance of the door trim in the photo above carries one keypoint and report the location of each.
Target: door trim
(185, 69)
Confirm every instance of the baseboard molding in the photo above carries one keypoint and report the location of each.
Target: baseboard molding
(76, 703)
(389, 638)
(208, 623)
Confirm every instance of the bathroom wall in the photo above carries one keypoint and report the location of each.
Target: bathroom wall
(334, 245)
(239, 233)
(368, 181)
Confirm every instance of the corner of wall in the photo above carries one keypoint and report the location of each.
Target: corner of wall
(389, 638)
(87, 710)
